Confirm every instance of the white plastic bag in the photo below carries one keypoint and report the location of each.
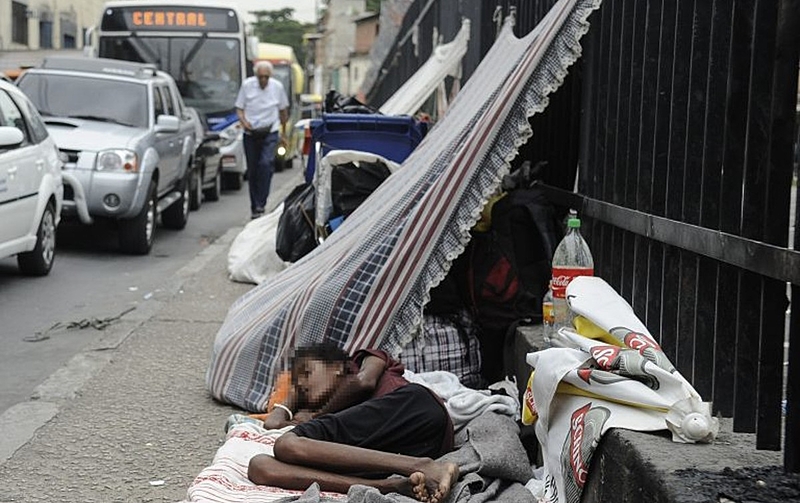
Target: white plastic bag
(252, 257)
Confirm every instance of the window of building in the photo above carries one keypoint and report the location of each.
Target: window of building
(46, 34)
(19, 23)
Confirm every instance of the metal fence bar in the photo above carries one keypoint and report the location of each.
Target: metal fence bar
(791, 454)
(716, 318)
(787, 56)
(761, 258)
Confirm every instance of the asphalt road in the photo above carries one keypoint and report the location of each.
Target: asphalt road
(45, 321)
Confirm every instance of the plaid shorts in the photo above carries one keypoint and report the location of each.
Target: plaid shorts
(449, 342)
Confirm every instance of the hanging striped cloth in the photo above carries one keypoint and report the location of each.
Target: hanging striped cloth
(365, 286)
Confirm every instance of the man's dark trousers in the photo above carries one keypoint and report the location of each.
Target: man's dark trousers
(260, 154)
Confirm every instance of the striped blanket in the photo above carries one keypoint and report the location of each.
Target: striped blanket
(366, 285)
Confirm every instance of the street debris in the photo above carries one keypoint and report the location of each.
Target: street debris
(97, 324)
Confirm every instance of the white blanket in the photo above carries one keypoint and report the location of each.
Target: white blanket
(463, 403)
(225, 480)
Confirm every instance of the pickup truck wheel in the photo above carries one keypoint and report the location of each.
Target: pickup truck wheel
(232, 181)
(212, 194)
(39, 261)
(196, 199)
(136, 235)
(176, 216)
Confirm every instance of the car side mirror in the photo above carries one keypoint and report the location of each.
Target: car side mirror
(10, 137)
(167, 124)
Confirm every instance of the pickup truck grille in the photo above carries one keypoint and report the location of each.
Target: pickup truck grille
(72, 155)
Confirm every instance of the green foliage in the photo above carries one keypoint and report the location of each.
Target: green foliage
(374, 5)
(280, 27)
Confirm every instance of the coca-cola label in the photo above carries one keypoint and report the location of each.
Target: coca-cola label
(563, 275)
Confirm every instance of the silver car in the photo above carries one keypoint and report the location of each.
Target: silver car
(128, 139)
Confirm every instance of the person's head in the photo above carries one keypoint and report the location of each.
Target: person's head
(316, 370)
(263, 71)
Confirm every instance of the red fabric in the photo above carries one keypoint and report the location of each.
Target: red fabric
(392, 377)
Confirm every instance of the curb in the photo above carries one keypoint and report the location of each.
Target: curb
(20, 422)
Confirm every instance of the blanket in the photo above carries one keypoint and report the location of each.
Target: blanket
(492, 460)
(225, 480)
(367, 284)
(463, 403)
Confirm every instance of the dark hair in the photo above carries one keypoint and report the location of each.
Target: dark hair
(325, 351)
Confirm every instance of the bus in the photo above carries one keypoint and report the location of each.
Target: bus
(204, 46)
(288, 72)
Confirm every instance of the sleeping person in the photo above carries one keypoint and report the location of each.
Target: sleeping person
(358, 421)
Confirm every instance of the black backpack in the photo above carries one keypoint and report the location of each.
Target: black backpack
(295, 234)
(509, 266)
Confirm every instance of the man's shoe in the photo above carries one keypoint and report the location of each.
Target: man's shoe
(258, 212)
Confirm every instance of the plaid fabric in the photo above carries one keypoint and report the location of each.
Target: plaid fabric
(366, 285)
(448, 343)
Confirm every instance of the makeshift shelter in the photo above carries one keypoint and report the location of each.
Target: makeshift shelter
(445, 61)
(367, 284)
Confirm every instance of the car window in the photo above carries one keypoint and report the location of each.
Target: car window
(158, 103)
(170, 108)
(87, 97)
(10, 115)
(38, 129)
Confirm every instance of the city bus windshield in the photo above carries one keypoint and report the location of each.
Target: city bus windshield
(282, 73)
(207, 70)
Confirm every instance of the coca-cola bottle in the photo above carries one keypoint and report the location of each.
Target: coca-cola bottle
(572, 258)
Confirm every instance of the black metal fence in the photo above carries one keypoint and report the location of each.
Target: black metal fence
(678, 123)
(686, 169)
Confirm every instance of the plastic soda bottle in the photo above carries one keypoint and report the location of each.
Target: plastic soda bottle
(548, 317)
(572, 258)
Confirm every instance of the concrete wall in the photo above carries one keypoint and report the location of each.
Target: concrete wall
(63, 17)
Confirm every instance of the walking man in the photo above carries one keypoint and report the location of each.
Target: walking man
(262, 107)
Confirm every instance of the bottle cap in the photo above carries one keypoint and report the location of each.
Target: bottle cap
(574, 223)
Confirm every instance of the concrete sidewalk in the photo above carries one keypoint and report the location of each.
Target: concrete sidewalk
(130, 418)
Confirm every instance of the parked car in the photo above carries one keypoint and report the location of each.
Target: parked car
(128, 138)
(31, 187)
(207, 180)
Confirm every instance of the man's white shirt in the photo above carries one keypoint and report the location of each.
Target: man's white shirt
(261, 106)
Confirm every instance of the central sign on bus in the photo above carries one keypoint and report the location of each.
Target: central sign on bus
(167, 18)
(154, 18)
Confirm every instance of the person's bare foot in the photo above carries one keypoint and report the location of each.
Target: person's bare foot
(437, 478)
(418, 488)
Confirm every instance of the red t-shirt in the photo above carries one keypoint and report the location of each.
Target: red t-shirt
(392, 377)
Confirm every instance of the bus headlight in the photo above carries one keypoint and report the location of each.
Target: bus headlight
(122, 160)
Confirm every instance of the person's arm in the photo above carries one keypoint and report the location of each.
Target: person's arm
(356, 387)
(279, 417)
(246, 125)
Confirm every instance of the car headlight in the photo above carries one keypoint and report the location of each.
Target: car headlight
(122, 160)
(281, 151)
(230, 134)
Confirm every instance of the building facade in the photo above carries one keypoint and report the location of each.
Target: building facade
(46, 24)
